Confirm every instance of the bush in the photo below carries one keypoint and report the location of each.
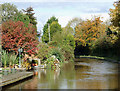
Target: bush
(63, 38)
(102, 47)
(8, 58)
(57, 53)
(68, 52)
(65, 42)
(13, 58)
(5, 58)
(43, 51)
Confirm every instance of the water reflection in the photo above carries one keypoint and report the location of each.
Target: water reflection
(96, 74)
(86, 74)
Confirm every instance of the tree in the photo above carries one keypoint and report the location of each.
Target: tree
(115, 20)
(54, 27)
(42, 51)
(9, 11)
(115, 14)
(65, 42)
(30, 14)
(16, 35)
(53, 18)
(115, 27)
(87, 32)
(23, 18)
(72, 24)
(64, 38)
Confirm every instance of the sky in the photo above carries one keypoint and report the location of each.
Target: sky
(64, 10)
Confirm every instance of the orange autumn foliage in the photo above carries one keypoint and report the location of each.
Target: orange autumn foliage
(89, 31)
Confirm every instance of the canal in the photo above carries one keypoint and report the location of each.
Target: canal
(85, 73)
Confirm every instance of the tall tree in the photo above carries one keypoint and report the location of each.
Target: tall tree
(16, 35)
(115, 14)
(115, 26)
(87, 32)
(115, 17)
(9, 11)
(52, 25)
(30, 14)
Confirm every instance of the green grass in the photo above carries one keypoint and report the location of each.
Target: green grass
(93, 57)
(101, 58)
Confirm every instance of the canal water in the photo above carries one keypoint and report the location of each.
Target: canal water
(84, 73)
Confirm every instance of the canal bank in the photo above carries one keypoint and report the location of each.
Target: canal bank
(14, 77)
(99, 58)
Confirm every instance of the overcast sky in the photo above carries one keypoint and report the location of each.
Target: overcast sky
(65, 10)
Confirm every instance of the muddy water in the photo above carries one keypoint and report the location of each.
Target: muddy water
(83, 74)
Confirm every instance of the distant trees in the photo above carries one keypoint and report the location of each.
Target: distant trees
(72, 24)
(54, 26)
(9, 11)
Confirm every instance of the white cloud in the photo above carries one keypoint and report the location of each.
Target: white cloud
(63, 20)
(92, 9)
(105, 16)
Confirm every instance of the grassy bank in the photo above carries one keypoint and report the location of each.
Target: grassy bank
(100, 58)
